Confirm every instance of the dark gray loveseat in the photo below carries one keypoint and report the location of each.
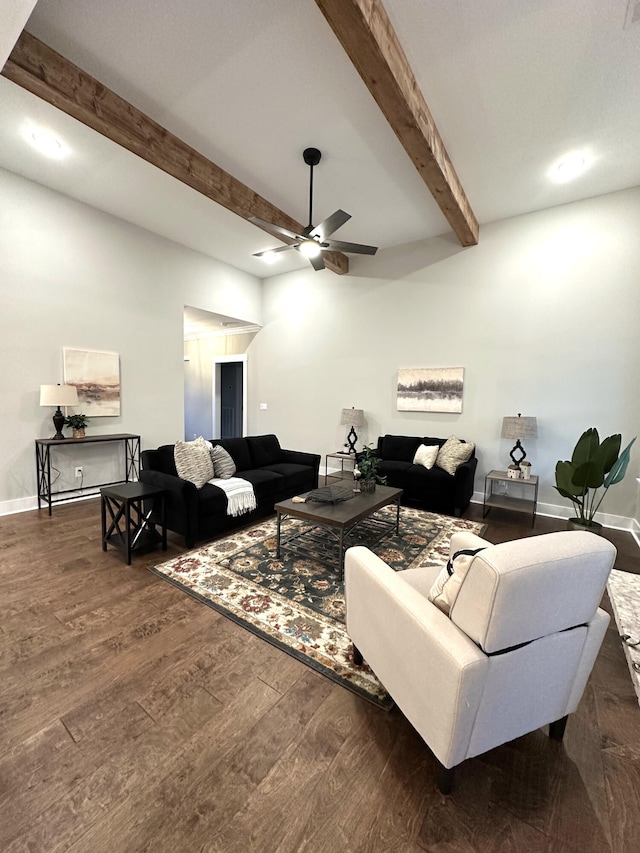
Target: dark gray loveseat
(433, 489)
(199, 514)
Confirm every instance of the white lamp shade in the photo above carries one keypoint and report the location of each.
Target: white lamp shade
(520, 427)
(58, 395)
(352, 417)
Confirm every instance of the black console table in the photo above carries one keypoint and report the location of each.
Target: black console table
(43, 464)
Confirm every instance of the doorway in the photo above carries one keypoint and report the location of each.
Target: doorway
(229, 396)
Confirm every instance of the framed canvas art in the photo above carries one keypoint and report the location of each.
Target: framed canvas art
(430, 389)
(96, 376)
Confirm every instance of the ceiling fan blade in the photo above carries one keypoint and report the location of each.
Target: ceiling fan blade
(275, 229)
(330, 224)
(317, 262)
(354, 248)
(277, 249)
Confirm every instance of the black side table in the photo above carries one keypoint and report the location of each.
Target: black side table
(132, 504)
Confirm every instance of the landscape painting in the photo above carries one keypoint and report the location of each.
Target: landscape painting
(430, 389)
(96, 376)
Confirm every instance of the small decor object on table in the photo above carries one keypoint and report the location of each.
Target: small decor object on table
(513, 472)
(525, 470)
(77, 424)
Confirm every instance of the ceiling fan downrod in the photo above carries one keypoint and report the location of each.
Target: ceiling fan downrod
(311, 157)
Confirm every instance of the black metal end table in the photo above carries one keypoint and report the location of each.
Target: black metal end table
(129, 507)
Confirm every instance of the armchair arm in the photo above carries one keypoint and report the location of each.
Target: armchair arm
(433, 671)
(299, 457)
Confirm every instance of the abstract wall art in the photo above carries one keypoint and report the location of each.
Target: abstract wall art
(96, 375)
(430, 389)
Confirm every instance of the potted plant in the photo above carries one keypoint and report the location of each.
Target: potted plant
(77, 424)
(593, 468)
(368, 463)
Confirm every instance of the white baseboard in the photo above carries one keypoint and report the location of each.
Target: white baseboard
(31, 503)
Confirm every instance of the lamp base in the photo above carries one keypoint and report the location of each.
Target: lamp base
(517, 448)
(351, 440)
(58, 422)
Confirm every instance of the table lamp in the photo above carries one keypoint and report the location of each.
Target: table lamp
(58, 395)
(519, 428)
(353, 418)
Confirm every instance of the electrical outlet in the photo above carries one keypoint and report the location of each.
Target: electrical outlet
(79, 470)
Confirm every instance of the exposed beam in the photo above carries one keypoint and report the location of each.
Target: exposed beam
(39, 69)
(366, 34)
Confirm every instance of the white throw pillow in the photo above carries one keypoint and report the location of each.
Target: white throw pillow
(453, 453)
(447, 585)
(193, 461)
(223, 465)
(426, 455)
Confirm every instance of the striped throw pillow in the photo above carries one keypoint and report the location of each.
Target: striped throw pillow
(223, 465)
(193, 461)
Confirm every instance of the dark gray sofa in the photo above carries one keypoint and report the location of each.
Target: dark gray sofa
(433, 489)
(200, 514)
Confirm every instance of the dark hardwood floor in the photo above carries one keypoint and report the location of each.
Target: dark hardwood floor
(133, 718)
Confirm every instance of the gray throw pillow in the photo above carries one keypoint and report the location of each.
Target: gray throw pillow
(453, 453)
(193, 461)
(223, 465)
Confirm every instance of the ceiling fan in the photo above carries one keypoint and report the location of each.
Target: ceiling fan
(314, 240)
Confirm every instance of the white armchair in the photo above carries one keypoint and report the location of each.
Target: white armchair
(514, 654)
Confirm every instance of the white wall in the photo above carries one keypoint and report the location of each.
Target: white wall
(542, 314)
(71, 276)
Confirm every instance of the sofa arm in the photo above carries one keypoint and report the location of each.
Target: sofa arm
(464, 481)
(181, 502)
(299, 457)
(433, 671)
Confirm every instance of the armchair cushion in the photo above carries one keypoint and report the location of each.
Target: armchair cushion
(453, 453)
(447, 585)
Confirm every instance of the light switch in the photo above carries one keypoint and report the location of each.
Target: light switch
(263, 407)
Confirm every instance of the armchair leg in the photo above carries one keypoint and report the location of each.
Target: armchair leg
(357, 656)
(556, 729)
(444, 778)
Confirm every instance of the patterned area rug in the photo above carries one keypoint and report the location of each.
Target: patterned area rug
(297, 602)
(624, 594)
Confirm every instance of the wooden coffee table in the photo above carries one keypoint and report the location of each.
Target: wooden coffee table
(339, 519)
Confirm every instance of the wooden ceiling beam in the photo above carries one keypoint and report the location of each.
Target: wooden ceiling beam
(39, 69)
(366, 34)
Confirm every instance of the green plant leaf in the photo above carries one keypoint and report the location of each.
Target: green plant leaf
(565, 480)
(586, 446)
(607, 453)
(589, 475)
(619, 468)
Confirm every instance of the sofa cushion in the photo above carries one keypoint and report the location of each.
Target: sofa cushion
(399, 448)
(193, 461)
(239, 450)
(453, 453)
(265, 483)
(298, 476)
(264, 449)
(426, 455)
(223, 465)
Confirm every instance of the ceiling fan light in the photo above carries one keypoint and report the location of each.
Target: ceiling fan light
(310, 248)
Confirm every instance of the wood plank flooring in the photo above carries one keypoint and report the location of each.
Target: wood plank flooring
(133, 718)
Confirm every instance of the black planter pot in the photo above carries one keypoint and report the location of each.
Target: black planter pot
(589, 526)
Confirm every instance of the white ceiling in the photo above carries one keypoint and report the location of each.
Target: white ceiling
(512, 85)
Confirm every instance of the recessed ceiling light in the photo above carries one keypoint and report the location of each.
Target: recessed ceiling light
(570, 166)
(46, 143)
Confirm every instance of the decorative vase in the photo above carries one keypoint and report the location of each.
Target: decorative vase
(589, 526)
(78, 433)
(367, 485)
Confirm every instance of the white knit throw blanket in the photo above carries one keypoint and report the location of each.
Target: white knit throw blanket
(240, 495)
